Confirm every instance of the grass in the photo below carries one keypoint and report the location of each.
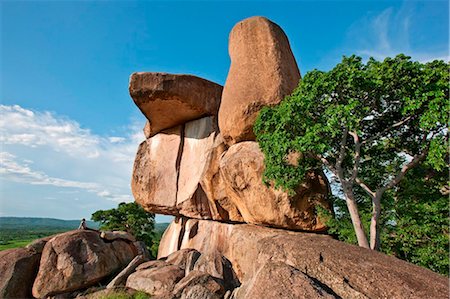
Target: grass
(15, 244)
(125, 295)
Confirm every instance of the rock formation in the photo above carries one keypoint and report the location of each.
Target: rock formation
(169, 100)
(233, 237)
(286, 264)
(18, 268)
(79, 259)
(263, 71)
(242, 167)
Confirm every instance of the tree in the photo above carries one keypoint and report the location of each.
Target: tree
(129, 217)
(366, 124)
(414, 225)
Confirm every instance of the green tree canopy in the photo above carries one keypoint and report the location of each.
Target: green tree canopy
(367, 124)
(129, 217)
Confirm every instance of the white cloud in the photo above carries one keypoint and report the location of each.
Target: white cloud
(389, 33)
(64, 155)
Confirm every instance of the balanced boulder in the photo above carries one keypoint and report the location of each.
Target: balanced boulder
(168, 100)
(242, 167)
(263, 71)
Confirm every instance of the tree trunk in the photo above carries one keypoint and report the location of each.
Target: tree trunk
(356, 220)
(374, 228)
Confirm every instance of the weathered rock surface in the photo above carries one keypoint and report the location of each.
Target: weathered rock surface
(339, 268)
(199, 291)
(18, 268)
(38, 244)
(175, 173)
(121, 278)
(168, 100)
(218, 266)
(180, 257)
(279, 280)
(263, 71)
(79, 259)
(152, 264)
(242, 167)
(156, 281)
(155, 172)
(196, 278)
(117, 235)
(198, 142)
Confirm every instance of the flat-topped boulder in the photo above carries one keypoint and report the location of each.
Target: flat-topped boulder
(263, 71)
(168, 100)
(265, 257)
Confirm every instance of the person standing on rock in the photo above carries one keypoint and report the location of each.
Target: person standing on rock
(83, 224)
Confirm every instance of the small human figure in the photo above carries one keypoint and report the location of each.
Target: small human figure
(83, 224)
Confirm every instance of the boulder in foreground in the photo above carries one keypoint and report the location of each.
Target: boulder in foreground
(18, 268)
(79, 259)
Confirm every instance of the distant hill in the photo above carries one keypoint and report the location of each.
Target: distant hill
(41, 223)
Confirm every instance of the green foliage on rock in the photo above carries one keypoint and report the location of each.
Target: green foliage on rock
(129, 217)
(367, 124)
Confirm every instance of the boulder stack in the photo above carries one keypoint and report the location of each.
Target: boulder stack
(201, 161)
(233, 235)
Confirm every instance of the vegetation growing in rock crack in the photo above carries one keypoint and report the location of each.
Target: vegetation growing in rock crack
(129, 217)
(367, 125)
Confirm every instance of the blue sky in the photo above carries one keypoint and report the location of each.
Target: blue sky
(69, 130)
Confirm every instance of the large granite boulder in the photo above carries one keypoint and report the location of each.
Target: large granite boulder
(242, 167)
(155, 173)
(338, 268)
(18, 268)
(175, 169)
(168, 100)
(79, 259)
(263, 71)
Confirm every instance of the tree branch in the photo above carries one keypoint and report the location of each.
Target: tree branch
(403, 171)
(327, 164)
(365, 187)
(341, 157)
(357, 156)
(397, 124)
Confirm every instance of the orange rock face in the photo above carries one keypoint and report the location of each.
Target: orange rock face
(79, 259)
(173, 171)
(155, 172)
(266, 257)
(168, 100)
(242, 167)
(263, 71)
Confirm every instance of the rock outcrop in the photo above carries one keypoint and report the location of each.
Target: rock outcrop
(327, 266)
(77, 260)
(18, 268)
(175, 172)
(242, 167)
(168, 100)
(263, 71)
